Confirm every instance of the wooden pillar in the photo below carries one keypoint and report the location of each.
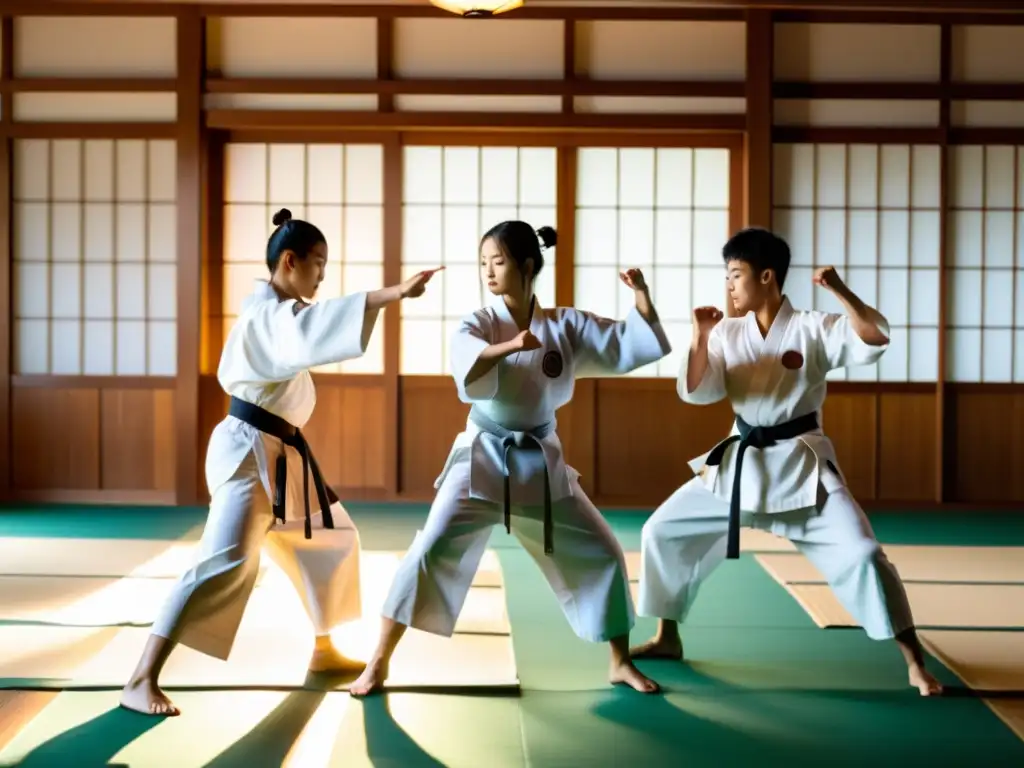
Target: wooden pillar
(190, 139)
(758, 178)
(6, 253)
(945, 421)
(757, 208)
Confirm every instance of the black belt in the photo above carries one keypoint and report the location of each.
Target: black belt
(288, 434)
(527, 440)
(753, 437)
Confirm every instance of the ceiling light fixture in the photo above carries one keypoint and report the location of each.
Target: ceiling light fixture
(477, 9)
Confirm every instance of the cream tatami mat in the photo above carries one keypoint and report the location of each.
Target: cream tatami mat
(51, 633)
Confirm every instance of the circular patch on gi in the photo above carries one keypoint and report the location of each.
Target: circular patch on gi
(792, 360)
(552, 365)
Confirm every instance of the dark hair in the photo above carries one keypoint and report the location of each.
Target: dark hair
(760, 249)
(295, 235)
(519, 241)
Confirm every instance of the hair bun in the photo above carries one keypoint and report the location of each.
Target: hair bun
(281, 217)
(548, 236)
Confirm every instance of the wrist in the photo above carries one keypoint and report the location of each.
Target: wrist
(506, 348)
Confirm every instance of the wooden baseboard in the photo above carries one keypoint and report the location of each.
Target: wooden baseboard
(70, 496)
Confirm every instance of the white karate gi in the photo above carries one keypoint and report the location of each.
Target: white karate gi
(793, 489)
(266, 361)
(586, 569)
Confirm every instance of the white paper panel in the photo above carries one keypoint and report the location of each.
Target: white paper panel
(95, 249)
(870, 211)
(452, 196)
(986, 286)
(665, 212)
(336, 187)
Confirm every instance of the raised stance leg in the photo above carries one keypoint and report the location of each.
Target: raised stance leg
(435, 575)
(324, 570)
(842, 545)
(587, 572)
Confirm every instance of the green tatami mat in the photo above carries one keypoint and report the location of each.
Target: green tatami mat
(763, 687)
(738, 599)
(392, 526)
(262, 728)
(61, 521)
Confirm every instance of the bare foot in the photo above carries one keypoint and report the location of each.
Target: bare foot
(925, 683)
(371, 681)
(659, 648)
(330, 660)
(145, 697)
(625, 673)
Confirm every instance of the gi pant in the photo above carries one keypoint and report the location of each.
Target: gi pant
(206, 606)
(685, 539)
(587, 570)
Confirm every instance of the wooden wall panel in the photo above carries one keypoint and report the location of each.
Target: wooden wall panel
(94, 439)
(906, 446)
(55, 437)
(576, 430)
(431, 416)
(631, 439)
(137, 441)
(646, 436)
(347, 432)
(213, 406)
(988, 434)
(850, 422)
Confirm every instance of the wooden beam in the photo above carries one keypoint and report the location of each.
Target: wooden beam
(993, 13)
(385, 85)
(100, 84)
(425, 11)
(191, 51)
(84, 131)
(236, 119)
(817, 11)
(855, 135)
(900, 91)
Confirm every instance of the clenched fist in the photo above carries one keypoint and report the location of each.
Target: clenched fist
(706, 318)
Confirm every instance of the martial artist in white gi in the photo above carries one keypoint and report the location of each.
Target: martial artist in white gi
(516, 363)
(777, 471)
(257, 464)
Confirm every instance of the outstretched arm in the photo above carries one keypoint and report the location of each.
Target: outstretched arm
(291, 336)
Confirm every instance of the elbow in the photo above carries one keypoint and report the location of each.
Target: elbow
(479, 389)
(703, 394)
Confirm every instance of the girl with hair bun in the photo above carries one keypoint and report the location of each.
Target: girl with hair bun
(515, 363)
(259, 467)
